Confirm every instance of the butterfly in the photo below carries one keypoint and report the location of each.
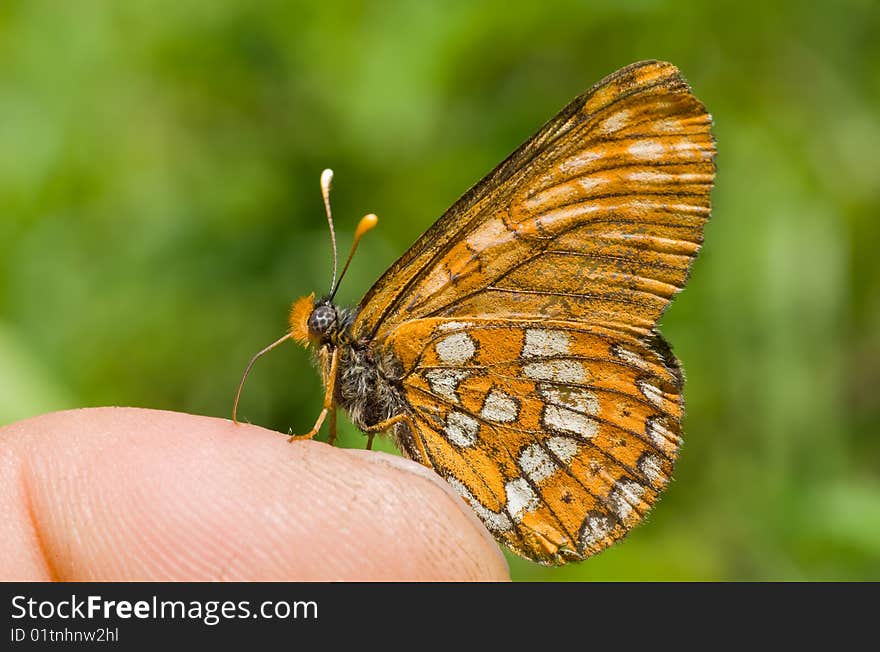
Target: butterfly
(513, 348)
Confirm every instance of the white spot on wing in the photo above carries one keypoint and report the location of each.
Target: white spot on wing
(564, 420)
(563, 371)
(614, 122)
(536, 463)
(521, 498)
(563, 448)
(625, 496)
(589, 183)
(651, 392)
(649, 465)
(437, 280)
(573, 398)
(668, 125)
(445, 382)
(461, 429)
(494, 521)
(543, 343)
(596, 528)
(631, 357)
(490, 235)
(646, 149)
(453, 326)
(456, 349)
(578, 163)
(660, 434)
(499, 407)
(686, 146)
(648, 176)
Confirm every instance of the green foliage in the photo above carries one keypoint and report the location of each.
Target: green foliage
(159, 180)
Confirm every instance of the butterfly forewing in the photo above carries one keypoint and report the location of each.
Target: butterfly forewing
(522, 325)
(597, 218)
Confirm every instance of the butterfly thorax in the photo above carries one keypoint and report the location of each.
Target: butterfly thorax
(366, 386)
(367, 383)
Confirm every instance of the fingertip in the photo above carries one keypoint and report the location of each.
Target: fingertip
(121, 493)
(453, 509)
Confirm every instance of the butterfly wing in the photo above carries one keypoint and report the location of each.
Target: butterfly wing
(522, 324)
(596, 218)
(559, 435)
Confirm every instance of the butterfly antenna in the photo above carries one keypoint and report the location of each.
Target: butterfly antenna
(326, 180)
(367, 222)
(248, 370)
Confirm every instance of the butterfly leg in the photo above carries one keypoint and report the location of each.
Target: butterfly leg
(332, 426)
(328, 403)
(382, 426)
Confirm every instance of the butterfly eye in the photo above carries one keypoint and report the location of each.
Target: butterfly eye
(322, 321)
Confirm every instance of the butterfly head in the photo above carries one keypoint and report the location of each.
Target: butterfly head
(322, 321)
(313, 322)
(318, 322)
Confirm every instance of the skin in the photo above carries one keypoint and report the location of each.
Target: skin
(133, 494)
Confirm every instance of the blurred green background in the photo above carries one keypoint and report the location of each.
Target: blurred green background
(159, 167)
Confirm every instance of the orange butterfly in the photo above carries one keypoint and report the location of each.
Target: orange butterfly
(513, 348)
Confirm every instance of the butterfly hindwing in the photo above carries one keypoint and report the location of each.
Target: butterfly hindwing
(560, 436)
